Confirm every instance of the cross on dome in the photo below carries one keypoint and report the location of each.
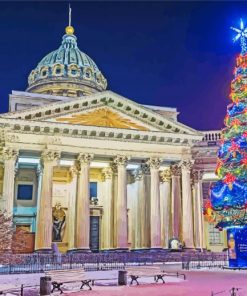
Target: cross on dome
(69, 30)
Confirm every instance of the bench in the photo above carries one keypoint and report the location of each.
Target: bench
(137, 272)
(177, 274)
(60, 277)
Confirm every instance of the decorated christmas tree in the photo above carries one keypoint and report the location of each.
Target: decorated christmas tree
(227, 204)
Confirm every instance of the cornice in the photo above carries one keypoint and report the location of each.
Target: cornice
(78, 131)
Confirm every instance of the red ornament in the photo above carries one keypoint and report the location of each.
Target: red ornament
(244, 160)
(234, 147)
(229, 178)
(236, 122)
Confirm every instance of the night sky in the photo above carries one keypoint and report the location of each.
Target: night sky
(158, 53)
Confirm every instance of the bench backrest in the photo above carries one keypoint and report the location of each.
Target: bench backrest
(66, 274)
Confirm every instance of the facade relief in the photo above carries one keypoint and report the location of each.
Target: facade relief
(104, 117)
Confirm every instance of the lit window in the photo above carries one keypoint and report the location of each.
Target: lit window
(93, 189)
(214, 235)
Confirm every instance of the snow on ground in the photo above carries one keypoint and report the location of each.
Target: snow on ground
(197, 283)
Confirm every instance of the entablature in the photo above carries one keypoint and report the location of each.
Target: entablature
(77, 131)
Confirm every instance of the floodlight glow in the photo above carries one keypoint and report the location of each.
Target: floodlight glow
(132, 166)
(28, 160)
(95, 164)
(66, 162)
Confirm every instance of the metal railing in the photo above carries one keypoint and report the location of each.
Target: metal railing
(205, 261)
(232, 292)
(33, 263)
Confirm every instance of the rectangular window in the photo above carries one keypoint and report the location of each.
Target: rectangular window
(214, 235)
(93, 189)
(25, 192)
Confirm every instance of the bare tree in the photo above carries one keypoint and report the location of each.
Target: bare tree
(11, 241)
(6, 233)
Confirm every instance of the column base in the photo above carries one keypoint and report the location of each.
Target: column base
(200, 249)
(140, 250)
(71, 251)
(78, 251)
(107, 250)
(44, 251)
(189, 249)
(121, 250)
(155, 249)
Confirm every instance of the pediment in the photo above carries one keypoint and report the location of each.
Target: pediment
(102, 117)
(105, 109)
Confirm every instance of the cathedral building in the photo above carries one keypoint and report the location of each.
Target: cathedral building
(88, 169)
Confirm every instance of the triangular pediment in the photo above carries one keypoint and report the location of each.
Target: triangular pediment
(105, 109)
(102, 117)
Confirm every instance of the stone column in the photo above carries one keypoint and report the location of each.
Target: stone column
(43, 238)
(176, 203)
(9, 157)
(108, 209)
(137, 212)
(198, 211)
(72, 207)
(134, 223)
(165, 206)
(83, 202)
(145, 201)
(187, 204)
(121, 204)
(155, 222)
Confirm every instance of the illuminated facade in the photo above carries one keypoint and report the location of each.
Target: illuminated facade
(89, 169)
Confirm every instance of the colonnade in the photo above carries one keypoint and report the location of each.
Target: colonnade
(168, 205)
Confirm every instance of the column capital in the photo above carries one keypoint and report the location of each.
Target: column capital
(121, 160)
(154, 163)
(107, 172)
(196, 176)
(138, 175)
(50, 156)
(175, 170)
(9, 153)
(84, 159)
(73, 171)
(39, 171)
(165, 175)
(145, 169)
(186, 164)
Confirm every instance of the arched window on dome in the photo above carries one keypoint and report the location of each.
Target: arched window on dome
(31, 77)
(99, 78)
(88, 73)
(73, 71)
(58, 70)
(44, 72)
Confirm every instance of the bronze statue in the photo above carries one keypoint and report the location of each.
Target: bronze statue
(59, 216)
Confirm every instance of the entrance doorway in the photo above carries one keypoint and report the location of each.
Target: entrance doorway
(94, 233)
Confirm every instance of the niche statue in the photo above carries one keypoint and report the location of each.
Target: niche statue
(59, 217)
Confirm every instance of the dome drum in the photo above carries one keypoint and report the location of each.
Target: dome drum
(66, 67)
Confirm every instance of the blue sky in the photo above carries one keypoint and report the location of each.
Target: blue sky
(175, 54)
